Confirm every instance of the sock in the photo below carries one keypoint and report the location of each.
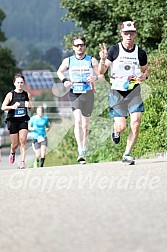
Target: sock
(84, 151)
(42, 161)
(127, 153)
(80, 151)
(37, 160)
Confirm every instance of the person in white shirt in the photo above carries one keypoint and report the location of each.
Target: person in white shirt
(128, 68)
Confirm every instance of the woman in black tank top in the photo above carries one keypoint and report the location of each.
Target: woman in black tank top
(17, 102)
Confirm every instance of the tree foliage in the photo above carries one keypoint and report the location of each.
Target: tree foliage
(100, 21)
(7, 71)
(53, 56)
(2, 17)
(7, 65)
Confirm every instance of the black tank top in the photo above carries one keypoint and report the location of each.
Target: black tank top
(21, 98)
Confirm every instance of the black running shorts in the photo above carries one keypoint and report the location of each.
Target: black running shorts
(84, 102)
(15, 127)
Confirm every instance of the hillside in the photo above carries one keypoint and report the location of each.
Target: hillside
(34, 21)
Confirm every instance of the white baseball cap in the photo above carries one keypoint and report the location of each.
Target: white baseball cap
(128, 26)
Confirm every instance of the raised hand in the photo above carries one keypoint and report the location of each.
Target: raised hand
(103, 51)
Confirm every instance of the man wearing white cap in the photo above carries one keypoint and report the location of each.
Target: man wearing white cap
(128, 68)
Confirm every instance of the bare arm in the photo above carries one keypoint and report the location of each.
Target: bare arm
(47, 128)
(30, 127)
(28, 104)
(7, 100)
(144, 73)
(94, 77)
(60, 73)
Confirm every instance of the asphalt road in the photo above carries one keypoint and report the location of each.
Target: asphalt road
(103, 207)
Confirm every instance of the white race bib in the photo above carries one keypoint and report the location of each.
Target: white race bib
(79, 88)
(121, 84)
(40, 139)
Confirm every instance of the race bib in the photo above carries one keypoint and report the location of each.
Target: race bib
(120, 84)
(79, 88)
(19, 112)
(40, 139)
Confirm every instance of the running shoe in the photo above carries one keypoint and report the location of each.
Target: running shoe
(128, 160)
(81, 159)
(115, 137)
(11, 158)
(22, 165)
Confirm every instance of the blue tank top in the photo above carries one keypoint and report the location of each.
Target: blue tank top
(79, 70)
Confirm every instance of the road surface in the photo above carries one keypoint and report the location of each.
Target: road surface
(103, 207)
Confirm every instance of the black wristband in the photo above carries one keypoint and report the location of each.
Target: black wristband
(65, 79)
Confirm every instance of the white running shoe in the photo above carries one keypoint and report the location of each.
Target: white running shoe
(128, 160)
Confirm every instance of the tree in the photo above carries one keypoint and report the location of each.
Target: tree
(8, 66)
(17, 48)
(2, 17)
(53, 56)
(100, 21)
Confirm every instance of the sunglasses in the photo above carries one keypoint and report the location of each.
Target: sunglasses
(81, 45)
(129, 33)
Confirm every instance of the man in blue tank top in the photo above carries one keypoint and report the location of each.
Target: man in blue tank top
(81, 95)
(128, 68)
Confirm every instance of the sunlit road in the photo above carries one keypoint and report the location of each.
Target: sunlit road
(104, 207)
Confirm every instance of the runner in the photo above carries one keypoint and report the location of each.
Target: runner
(39, 125)
(128, 68)
(81, 95)
(16, 103)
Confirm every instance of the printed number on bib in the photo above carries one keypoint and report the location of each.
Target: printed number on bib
(19, 112)
(79, 88)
